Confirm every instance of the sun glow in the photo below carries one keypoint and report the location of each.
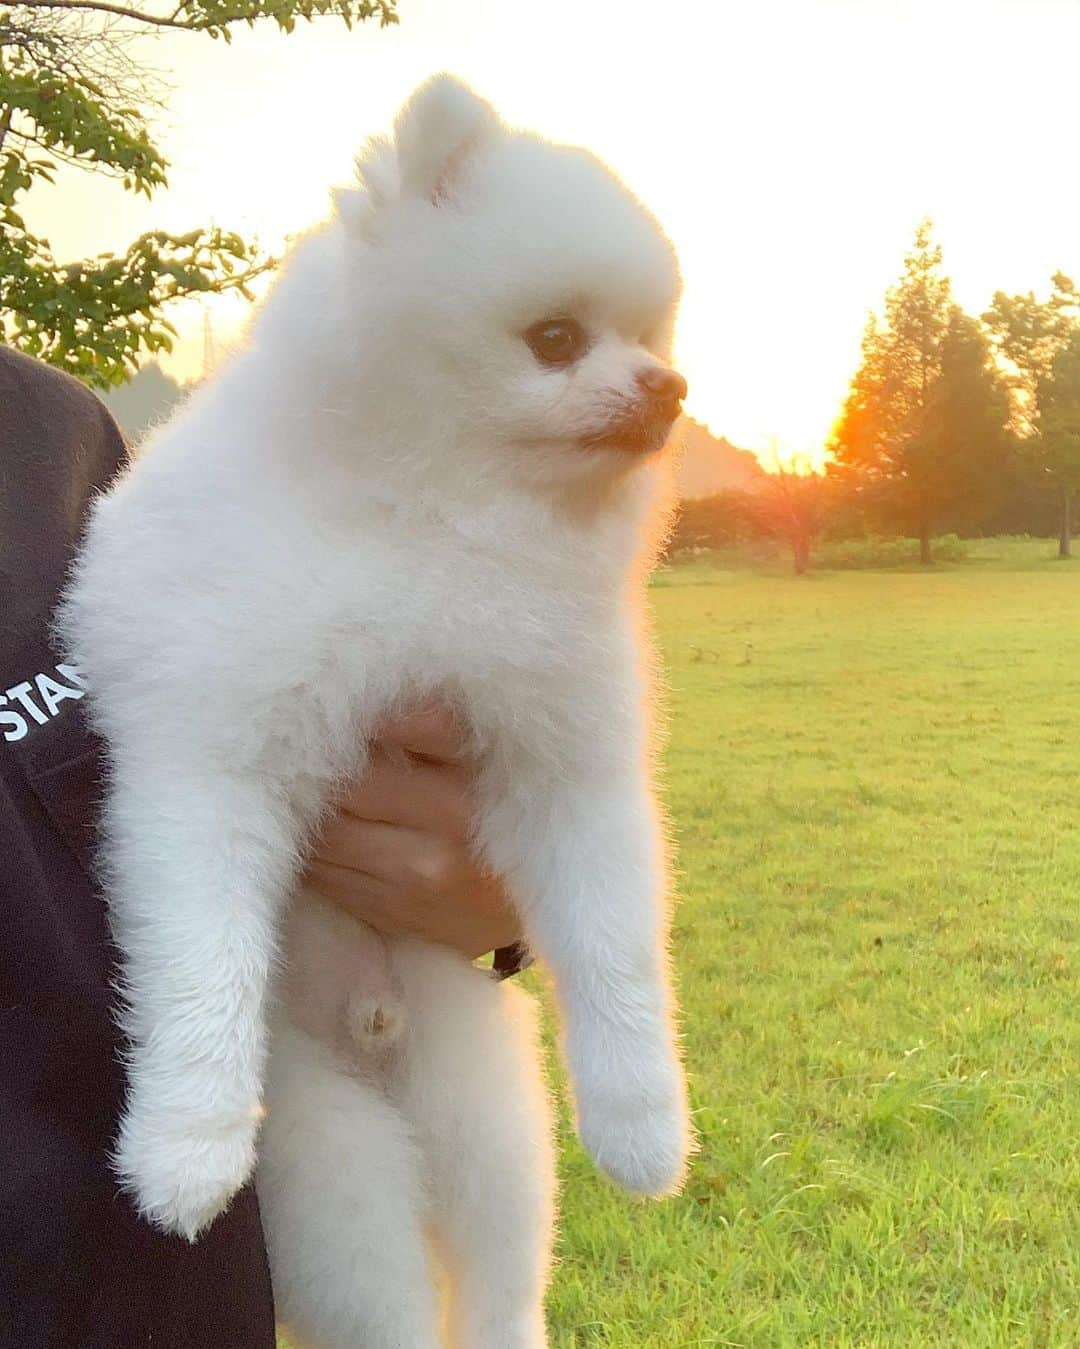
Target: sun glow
(789, 147)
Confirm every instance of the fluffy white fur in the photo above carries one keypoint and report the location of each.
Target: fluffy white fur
(386, 498)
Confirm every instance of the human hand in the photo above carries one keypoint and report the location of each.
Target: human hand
(397, 853)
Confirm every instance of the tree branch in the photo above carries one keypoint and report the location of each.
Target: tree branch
(103, 7)
(213, 23)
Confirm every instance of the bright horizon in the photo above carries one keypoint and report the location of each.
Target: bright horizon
(789, 148)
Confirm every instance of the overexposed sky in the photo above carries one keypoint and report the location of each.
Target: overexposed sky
(788, 146)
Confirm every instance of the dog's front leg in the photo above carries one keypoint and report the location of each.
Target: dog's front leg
(575, 829)
(197, 864)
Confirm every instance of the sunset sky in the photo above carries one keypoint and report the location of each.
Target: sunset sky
(789, 147)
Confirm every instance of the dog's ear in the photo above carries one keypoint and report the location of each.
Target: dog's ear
(436, 133)
(377, 186)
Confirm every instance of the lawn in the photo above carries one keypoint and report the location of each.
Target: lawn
(874, 782)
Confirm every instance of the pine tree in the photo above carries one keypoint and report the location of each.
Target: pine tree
(1033, 338)
(879, 436)
(925, 417)
(1059, 429)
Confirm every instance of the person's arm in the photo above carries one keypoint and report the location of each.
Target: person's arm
(397, 852)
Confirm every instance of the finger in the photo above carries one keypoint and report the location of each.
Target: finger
(473, 916)
(414, 795)
(403, 882)
(364, 896)
(412, 863)
(429, 733)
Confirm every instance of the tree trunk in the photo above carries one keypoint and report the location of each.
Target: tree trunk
(801, 549)
(1065, 541)
(925, 556)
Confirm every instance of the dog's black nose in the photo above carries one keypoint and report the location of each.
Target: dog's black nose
(662, 384)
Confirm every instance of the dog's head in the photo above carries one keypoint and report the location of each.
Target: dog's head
(522, 299)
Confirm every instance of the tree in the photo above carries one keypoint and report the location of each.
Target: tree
(923, 426)
(1031, 337)
(71, 93)
(878, 435)
(1059, 428)
(965, 427)
(791, 504)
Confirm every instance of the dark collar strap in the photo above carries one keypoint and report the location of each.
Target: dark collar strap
(511, 960)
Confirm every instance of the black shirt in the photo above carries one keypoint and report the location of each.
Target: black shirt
(78, 1268)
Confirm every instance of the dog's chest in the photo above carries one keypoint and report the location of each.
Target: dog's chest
(466, 616)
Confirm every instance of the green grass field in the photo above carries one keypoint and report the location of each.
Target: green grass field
(874, 781)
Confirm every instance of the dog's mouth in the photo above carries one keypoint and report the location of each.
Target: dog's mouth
(641, 433)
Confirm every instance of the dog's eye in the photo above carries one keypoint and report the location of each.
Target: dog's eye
(556, 341)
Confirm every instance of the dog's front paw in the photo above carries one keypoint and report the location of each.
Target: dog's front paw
(639, 1132)
(183, 1176)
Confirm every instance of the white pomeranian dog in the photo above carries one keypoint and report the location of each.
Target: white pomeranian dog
(434, 472)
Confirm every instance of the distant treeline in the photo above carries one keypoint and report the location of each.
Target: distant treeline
(814, 516)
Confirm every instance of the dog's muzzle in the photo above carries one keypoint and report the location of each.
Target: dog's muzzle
(646, 425)
(640, 435)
